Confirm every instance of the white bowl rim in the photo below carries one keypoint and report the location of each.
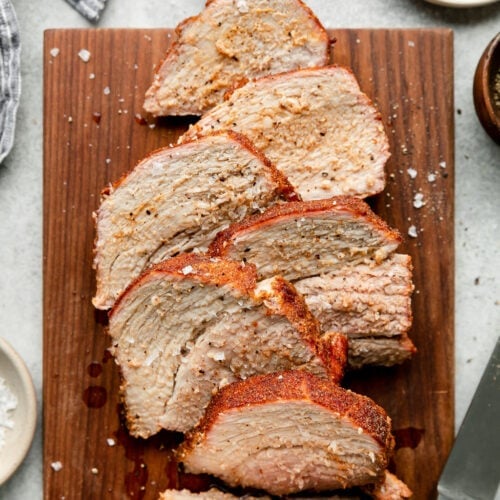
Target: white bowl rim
(23, 444)
(461, 3)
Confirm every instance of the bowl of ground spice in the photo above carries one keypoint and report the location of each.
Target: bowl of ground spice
(17, 410)
(487, 89)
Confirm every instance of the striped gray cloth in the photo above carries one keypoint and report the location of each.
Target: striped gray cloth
(10, 76)
(91, 9)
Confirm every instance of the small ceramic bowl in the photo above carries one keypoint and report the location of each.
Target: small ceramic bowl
(18, 439)
(487, 89)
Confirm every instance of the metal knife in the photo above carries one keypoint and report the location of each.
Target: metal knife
(472, 471)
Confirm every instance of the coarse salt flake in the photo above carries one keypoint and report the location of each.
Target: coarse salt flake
(84, 55)
(106, 91)
(8, 403)
(418, 200)
(92, 76)
(442, 164)
(431, 177)
(54, 52)
(111, 442)
(56, 466)
(411, 43)
(242, 6)
(219, 356)
(94, 470)
(412, 173)
(412, 231)
(187, 270)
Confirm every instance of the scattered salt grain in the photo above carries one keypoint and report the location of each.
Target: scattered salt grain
(412, 231)
(56, 466)
(187, 270)
(111, 442)
(108, 161)
(418, 200)
(106, 91)
(54, 52)
(242, 6)
(70, 119)
(94, 470)
(431, 177)
(92, 76)
(412, 173)
(442, 164)
(411, 43)
(8, 403)
(84, 55)
(220, 356)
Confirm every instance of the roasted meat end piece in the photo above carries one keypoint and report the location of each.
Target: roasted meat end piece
(231, 41)
(289, 432)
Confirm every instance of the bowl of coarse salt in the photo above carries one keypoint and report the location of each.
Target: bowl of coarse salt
(17, 410)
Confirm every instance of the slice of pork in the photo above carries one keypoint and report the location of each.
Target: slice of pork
(192, 324)
(303, 239)
(232, 40)
(391, 488)
(289, 432)
(316, 125)
(340, 256)
(176, 200)
(380, 351)
(211, 494)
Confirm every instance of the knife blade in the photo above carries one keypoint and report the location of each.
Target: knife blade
(472, 470)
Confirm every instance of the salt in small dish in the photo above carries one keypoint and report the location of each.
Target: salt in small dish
(18, 439)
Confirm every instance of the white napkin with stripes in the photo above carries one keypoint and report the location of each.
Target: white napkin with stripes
(10, 76)
(90, 9)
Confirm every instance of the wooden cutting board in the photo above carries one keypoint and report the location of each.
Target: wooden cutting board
(95, 130)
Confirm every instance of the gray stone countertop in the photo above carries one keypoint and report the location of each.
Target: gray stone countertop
(477, 182)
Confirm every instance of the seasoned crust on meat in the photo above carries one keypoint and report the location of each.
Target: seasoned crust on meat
(288, 432)
(231, 41)
(340, 256)
(313, 237)
(316, 125)
(192, 324)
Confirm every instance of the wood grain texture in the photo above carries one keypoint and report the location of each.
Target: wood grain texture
(92, 136)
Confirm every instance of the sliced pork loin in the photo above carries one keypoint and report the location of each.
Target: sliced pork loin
(380, 351)
(289, 432)
(315, 125)
(371, 304)
(211, 494)
(192, 324)
(303, 239)
(175, 201)
(340, 256)
(391, 488)
(229, 41)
